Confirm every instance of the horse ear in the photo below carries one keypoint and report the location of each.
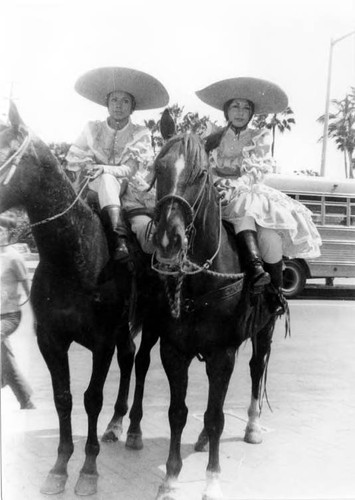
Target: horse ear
(14, 116)
(167, 125)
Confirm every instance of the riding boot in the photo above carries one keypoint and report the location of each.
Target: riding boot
(278, 304)
(118, 233)
(251, 260)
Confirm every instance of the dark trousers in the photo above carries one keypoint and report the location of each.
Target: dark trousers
(10, 374)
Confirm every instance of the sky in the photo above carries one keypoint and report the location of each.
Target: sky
(45, 45)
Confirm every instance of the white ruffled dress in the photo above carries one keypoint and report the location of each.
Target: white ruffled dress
(241, 162)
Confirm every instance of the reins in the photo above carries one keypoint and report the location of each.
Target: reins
(56, 216)
(15, 159)
(187, 267)
(13, 162)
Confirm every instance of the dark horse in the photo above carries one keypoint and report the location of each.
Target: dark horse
(212, 311)
(74, 295)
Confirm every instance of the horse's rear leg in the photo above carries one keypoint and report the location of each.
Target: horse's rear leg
(176, 368)
(58, 365)
(134, 439)
(219, 367)
(258, 367)
(125, 357)
(93, 398)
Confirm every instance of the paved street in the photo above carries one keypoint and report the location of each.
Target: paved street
(309, 438)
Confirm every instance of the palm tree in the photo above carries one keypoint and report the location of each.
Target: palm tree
(341, 128)
(278, 121)
(188, 122)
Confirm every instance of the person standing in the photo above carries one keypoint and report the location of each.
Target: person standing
(116, 153)
(13, 276)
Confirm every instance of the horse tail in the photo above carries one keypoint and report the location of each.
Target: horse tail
(266, 334)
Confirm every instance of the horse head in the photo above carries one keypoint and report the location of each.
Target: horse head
(16, 178)
(183, 191)
(30, 175)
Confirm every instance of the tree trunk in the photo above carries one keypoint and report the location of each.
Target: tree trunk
(346, 164)
(351, 170)
(273, 141)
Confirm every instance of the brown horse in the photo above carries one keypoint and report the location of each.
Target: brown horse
(74, 295)
(212, 311)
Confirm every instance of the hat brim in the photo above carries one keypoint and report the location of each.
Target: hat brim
(266, 96)
(147, 91)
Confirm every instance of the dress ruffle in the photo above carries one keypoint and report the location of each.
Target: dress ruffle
(273, 209)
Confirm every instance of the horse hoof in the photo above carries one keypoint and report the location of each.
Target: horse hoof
(213, 489)
(112, 434)
(54, 484)
(86, 484)
(166, 493)
(253, 436)
(134, 441)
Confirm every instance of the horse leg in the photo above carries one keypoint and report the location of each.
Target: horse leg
(258, 365)
(202, 441)
(93, 398)
(134, 434)
(219, 368)
(125, 358)
(58, 365)
(176, 368)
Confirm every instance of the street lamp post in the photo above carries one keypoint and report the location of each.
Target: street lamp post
(327, 101)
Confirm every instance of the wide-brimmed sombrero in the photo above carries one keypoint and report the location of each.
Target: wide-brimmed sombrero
(147, 91)
(266, 96)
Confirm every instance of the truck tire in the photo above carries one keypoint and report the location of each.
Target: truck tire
(294, 278)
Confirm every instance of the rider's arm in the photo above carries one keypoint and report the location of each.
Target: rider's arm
(80, 154)
(128, 169)
(262, 144)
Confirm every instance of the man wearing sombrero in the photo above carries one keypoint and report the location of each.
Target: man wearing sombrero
(116, 152)
(267, 223)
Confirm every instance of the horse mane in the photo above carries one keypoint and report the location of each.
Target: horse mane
(47, 159)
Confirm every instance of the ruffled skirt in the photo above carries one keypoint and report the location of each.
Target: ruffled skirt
(273, 209)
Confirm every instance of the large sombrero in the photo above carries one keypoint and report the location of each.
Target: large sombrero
(148, 92)
(266, 96)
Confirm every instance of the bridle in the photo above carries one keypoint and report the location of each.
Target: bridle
(13, 161)
(178, 271)
(185, 265)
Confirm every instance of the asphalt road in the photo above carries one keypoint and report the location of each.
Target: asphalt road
(309, 438)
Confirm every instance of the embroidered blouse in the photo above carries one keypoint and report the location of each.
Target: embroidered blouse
(103, 145)
(245, 153)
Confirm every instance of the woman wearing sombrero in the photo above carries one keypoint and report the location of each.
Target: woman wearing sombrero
(116, 152)
(267, 223)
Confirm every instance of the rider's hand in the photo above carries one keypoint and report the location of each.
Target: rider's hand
(94, 170)
(225, 190)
